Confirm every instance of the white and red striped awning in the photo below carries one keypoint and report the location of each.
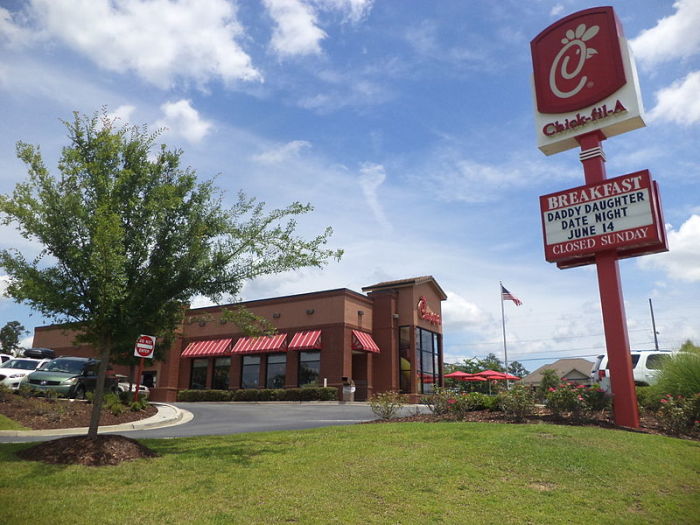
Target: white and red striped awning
(261, 345)
(363, 341)
(208, 348)
(306, 340)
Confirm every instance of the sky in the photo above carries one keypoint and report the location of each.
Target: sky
(407, 124)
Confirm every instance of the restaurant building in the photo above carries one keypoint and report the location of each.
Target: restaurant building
(389, 338)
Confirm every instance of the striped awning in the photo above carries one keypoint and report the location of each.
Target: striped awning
(306, 340)
(208, 348)
(363, 341)
(261, 345)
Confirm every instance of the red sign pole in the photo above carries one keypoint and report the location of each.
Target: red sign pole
(138, 380)
(625, 408)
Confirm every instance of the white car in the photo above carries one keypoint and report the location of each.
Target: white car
(13, 371)
(645, 363)
(123, 386)
(5, 357)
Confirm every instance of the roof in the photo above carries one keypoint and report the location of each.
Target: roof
(405, 283)
(572, 368)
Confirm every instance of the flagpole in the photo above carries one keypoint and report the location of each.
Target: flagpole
(503, 323)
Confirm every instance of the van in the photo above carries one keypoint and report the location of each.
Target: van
(645, 367)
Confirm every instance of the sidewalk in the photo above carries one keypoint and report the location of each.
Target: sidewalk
(167, 416)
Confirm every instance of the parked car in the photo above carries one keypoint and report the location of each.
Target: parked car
(123, 385)
(645, 363)
(13, 371)
(68, 376)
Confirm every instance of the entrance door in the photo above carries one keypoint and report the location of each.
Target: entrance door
(359, 374)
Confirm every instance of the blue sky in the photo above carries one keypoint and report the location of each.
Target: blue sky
(409, 126)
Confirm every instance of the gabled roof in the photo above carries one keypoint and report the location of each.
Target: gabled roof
(406, 283)
(574, 368)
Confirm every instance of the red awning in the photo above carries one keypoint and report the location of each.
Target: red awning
(363, 341)
(208, 348)
(261, 345)
(306, 341)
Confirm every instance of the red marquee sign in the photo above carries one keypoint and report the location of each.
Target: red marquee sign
(577, 61)
(622, 214)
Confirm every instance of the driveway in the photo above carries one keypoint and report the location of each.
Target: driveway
(236, 418)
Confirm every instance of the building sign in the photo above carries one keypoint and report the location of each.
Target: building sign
(622, 214)
(426, 313)
(584, 80)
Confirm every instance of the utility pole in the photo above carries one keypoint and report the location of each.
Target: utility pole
(653, 325)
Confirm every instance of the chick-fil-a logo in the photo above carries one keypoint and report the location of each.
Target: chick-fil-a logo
(426, 313)
(560, 66)
(577, 61)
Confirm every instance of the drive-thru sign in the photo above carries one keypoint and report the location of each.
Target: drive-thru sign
(586, 90)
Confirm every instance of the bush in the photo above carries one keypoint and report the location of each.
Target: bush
(679, 414)
(261, 394)
(565, 400)
(518, 403)
(550, 379)
(387, 404)
(439, 402)
(680, 374)
(5, 392)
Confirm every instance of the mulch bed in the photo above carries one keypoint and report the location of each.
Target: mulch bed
(40, 413)
(103, 450)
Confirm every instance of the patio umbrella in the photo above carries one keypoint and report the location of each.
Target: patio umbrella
(458, 375)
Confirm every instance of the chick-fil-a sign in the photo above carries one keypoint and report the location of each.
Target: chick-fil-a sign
(584, 79)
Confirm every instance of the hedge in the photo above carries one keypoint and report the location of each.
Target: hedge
(262, 394)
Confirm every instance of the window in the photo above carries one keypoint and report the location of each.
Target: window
(222, 365)
(427, 363)
(276, 370)
(198, 378)
(251, 371)
(656, 361)
(309, 368)
(405, 359)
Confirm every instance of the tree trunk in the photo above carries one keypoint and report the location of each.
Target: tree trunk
(99, 390)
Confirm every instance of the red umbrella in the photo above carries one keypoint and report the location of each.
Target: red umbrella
(458, 375)
(474, 378)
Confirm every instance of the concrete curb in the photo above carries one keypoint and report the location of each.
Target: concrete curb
(167, 416)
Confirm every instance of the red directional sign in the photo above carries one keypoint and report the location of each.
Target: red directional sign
(145, 346)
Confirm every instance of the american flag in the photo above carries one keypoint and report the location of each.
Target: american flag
(507, 296)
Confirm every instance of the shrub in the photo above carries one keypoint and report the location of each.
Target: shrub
(678, 414)
(387, 404)
(550, 379)
(680, 374)
(517, 403)
(565, 400)
(261, 394)
(439, 402)
(595, 399)
(113, 403)
(5, 392)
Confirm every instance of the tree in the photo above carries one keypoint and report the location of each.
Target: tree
(517, 369)
(9, 336)
(129, 236)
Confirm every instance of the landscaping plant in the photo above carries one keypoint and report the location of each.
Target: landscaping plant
(387, 404)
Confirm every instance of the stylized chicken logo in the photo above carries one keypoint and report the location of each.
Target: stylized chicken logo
(560, 65)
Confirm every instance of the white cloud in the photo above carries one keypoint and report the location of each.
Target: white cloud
(4, 283)
(675, 36)
(682, 261)
(283, 153)
(355, 10)
(296, 31)
(460, 314)
(679, 102)
(556, 10)
(182, 120)
(122, 114)
(371, 177)
(12, 32)
(160, 40)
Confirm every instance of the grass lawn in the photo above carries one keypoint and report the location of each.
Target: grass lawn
(387, 473)
(7, 424)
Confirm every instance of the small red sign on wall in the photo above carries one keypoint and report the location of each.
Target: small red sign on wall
(577, 61)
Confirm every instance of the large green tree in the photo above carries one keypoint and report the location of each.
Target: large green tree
(129, 236)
